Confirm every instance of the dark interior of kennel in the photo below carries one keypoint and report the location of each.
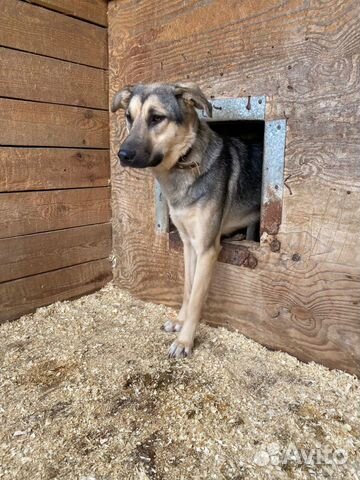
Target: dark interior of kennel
(59, 63)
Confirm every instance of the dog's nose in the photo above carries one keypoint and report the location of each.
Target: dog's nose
(126, 155)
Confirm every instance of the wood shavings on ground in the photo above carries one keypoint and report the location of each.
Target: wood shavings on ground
(88, 393)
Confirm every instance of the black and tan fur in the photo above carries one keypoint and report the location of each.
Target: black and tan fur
(212, 183)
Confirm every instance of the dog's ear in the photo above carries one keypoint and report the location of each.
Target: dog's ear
(192, 94)
(122, 98)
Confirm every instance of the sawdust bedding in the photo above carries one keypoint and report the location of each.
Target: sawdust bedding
(87, 392)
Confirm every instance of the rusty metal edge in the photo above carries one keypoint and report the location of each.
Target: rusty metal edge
(233, 254)
(273, 176)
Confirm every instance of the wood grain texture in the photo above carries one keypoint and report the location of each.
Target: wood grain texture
(304, 56)
(38, 30)
(52, 168)
(32, 212)
(41, 124)
(32, 77)
(92, 10)
(42, 252)
(54, 140)
(25, 295)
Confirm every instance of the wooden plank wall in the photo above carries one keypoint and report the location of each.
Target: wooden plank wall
(55, 232)
(304, 56)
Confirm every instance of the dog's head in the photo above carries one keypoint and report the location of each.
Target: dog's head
(161, 122)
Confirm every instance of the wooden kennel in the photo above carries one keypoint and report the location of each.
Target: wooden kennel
(296, 290)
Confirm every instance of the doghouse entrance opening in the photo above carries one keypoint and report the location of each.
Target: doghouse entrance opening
(244, 118)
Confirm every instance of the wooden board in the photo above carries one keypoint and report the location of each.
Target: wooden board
(31, 212)
(41, 124)
(32, 77)
(303, 56)
(31, 254)
(94, 11)
(26, 294)
(55, 234)
(38, 30)
(52, 168)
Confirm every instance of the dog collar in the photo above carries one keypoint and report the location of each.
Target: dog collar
(182, 165)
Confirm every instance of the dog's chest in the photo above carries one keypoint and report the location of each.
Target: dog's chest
(196, 223)
(185, 220)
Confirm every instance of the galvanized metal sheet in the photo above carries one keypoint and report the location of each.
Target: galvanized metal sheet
(162, 211)
(273, 165)
(244, 108)
(273, 176)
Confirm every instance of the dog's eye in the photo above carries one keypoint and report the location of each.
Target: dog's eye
(155, 119)
(128, 117)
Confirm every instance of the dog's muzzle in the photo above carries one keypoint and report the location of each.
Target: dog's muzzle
(132, 158)
(126, 156)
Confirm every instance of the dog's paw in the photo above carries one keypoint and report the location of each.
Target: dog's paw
(179, 350)
(172, 326)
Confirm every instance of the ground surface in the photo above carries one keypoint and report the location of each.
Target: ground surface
(86, 392)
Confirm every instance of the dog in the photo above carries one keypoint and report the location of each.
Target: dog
(212, 183)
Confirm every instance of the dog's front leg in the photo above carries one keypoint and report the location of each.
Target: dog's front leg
(189, 272)
(189, 267)
(205, 263)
